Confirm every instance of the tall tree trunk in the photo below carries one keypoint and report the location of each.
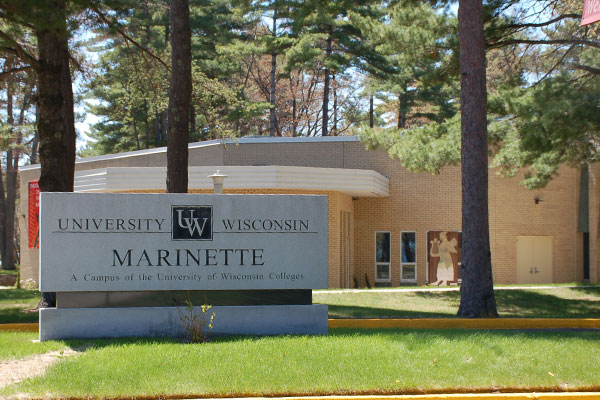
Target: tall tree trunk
(328, 51)
(371, 112)
(55, 101)
(402, 110)
(192, 136)
(335, 107)
(137, 135)
(33, 157)
(477, 292)
(56, 124)
(294, 107)
(8, 255)
(2, 218)
(272, 116)
(179, 97)
(157, 129)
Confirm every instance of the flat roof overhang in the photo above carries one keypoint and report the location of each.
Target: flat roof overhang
(353, 182)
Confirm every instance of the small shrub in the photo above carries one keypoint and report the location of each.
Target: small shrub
(367, 282)
(356, 284)
(197, 325)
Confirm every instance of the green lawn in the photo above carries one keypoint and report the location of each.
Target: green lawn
(557, 302)
(345, 361)
(14, 345)
(18, 305)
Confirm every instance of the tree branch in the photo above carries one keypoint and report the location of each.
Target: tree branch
(540, 24)
(5, 74)
(127, 37)
(591, 70)
(20, 51)
(582, 42)
(555, 65)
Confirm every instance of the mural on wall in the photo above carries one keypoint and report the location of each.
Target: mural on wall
(34, 215)
(443, 257)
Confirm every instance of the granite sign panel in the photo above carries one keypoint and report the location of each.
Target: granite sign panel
(131, 242)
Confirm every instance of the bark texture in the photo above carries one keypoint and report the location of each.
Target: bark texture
(477, 291)
(272, 116)
(56, 123)
(326, 83)
(179, 97)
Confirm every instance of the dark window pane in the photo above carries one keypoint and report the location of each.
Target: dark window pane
(409, 272)
(383, 272)
(409, 247)
(382, 247)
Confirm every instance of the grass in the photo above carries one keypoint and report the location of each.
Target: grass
(16, 345)
(9, 272)
(16, 305)
(345, 361)
(557, 302)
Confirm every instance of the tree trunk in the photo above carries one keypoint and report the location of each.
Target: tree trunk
(371, 112)
(335, 107)
(192, 137)
(179, 97)
(56, 123)
(272, 130)
(9, 254)
(477, 291)
(328, 51)
(33, 157)
(402, 110)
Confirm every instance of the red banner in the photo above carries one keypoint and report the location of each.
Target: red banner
(34, 215)
(591, 12)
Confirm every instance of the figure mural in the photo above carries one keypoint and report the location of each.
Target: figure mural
(444, 257)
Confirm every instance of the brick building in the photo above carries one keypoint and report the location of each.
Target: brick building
(387, 225)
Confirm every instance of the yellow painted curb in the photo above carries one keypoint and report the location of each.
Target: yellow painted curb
(467, 396)
(431, 323)
(460, 323)
(30, 327)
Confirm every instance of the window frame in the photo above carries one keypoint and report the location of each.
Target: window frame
(389, 263)
(402, 263)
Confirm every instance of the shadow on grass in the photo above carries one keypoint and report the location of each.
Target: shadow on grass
(390, 334)
(17, 316)
(344, 311)
(8, 295)
(510, 303)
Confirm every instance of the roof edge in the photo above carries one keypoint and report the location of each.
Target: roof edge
(215, 142)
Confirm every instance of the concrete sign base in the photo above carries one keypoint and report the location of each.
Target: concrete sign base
(73, 323)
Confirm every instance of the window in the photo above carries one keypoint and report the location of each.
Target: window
(408, 270)
(382, 257)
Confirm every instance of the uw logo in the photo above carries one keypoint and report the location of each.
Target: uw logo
(191, 223)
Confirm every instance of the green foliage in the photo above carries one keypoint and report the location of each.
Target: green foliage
(541, 127)
(421, 149)
(197, 325)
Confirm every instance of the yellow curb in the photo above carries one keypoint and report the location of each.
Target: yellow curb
(468, 396)
(432, 323)
(30, 327)
(460, 323)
